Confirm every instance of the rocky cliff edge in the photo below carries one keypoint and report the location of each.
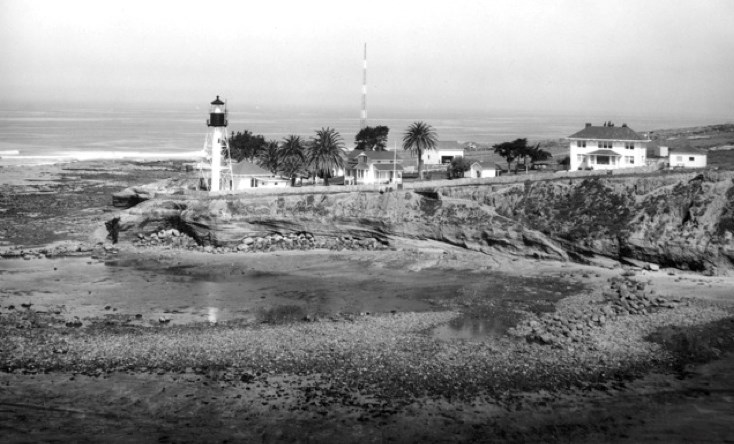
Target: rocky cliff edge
(682, 220)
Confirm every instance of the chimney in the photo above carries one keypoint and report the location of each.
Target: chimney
(588, 125)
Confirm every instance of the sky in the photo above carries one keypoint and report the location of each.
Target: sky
(641, 56)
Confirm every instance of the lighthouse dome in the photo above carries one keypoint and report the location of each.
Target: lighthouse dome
(217, 113)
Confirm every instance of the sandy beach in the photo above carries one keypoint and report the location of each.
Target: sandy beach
(422, 342)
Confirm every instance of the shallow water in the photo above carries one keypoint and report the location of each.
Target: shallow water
(241, 288)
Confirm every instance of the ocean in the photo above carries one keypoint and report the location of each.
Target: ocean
(38, 133)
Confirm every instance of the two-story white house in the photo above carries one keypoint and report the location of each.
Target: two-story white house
(607, 147)
(373, 167)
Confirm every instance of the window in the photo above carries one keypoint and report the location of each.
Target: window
(629, 145)
(581, 144)
(630, 160)
(579, 158)
(691, 159)
(607, 145)
(679, 158)
(602, 160)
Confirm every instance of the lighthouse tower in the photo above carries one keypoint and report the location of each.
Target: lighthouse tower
(217, 148)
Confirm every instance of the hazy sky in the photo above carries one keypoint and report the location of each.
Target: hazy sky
(611, 55)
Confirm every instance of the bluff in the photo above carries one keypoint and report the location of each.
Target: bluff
(683, 220)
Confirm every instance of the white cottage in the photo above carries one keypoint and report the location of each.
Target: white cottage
(607, 147)
(481, 169)
(687, 158)
(248, 175)
(443, 154)
(373, 167)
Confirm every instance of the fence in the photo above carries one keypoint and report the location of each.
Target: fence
(376, 188)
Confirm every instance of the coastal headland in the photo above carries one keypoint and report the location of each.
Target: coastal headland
(561, 310)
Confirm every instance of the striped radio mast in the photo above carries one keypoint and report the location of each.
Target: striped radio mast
(363, 122)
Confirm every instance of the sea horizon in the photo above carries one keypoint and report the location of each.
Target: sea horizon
(57, 132)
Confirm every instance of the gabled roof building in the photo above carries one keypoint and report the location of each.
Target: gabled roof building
(607, 147)
(373, 167)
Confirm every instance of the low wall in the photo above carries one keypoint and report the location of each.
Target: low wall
(376, 188)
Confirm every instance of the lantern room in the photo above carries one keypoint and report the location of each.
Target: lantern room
(217, 113)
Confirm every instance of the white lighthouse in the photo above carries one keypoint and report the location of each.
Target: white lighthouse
(217, 148)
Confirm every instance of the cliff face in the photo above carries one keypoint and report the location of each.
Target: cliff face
(681, 220)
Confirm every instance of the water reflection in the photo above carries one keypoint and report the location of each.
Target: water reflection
(467, 327)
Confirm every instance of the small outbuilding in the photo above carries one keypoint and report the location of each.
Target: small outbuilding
(687, 157)
(481, 169)
(444, 153)
(248, 175)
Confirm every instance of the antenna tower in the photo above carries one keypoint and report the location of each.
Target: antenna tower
(363, 122)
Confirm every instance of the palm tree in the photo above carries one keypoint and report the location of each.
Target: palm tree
(291, 156)
(326, 152)
(419, 137)
(268, 156)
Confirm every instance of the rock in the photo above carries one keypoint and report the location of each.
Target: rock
(75, 323)
(654, 229)
(547, 339)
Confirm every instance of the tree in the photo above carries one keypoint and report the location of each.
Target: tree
(538, 155)
(268, 156)
(291, 157)
(418, 138)
(326, 153)
(531, 153)
(245, 145)
(459, 165)
(372, 138)
(516, 149)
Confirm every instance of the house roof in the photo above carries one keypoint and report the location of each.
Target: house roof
(388, 167)
(607, 133)
(360, 167)
(604, 153)
(486, 165)
(246, 168)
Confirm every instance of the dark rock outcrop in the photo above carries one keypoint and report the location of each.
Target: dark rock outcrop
(682, 220)
(230, 221)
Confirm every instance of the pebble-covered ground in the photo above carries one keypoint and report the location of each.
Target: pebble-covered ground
(385, 369)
